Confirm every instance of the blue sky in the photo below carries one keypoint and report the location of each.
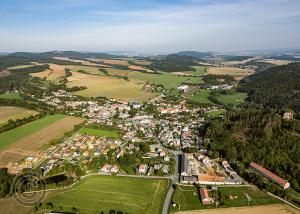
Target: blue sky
(148, 25)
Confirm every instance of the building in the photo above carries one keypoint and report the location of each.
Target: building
(142, 168)
(211, 180)
(204, 196)
(269, 175)
(288, 115)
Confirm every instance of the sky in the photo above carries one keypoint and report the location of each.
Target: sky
(149, 26)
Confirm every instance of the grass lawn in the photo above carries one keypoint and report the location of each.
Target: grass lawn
(12, 96)
(233, 99)
(168, 80)
(99, 132)
(13, 135)
(103, 193)
(201, 97)
(215, 112)
(188, 199)
(13, 113)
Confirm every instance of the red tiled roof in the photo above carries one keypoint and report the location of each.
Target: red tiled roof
(268, 174)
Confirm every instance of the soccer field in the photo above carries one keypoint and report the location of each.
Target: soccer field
(104, 193)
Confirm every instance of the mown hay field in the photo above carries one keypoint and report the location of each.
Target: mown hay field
(237, 73)
(97, 193)
(13, 113)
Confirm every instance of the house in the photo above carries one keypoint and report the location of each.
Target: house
(106, 168)
(204, 196)
(114, 169)
(165, 169)
(142, 168)
(183, 88)
(189, 179)
(269, 175)
(288, 115)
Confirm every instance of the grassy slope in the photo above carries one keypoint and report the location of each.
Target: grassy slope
(29, 128)
(13, 96)
(188, 198)
(102, 193)
(234, 99)
(201, 97)
(106, 133)
(215, 113)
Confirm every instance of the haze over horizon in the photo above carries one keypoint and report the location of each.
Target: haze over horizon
(149, 26)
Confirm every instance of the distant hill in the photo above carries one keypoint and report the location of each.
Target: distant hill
(174, 62)
(195, 54)
(276, 87)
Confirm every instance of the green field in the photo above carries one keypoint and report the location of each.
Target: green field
(104, 193)
(20, 66)
(166, 79)
(201, 97)
(12, 96)
(215, 112)
(200, 70)
(233, 99)
(98, 132)
(87, 69)
(188, 198)
(13, 135)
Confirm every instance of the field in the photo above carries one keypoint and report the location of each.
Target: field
(10, 206)
(200, 70)
(188, 199)
(201, 97)
(118, 72)
(276, 61)
(83, 62)
(20, 66)
(55, 72)
(98, 132)
(237, 73)
(265, 209)
(168, 80)
(13, 113)
(13, 96)
(233, 99)
(30, 138)
(110, 87)
(103, 193)
(215, 112)
(88, 69)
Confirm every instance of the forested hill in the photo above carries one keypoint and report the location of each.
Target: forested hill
(276, 87)
(173, 62)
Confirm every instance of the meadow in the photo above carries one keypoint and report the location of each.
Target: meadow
(201, 97)
(13, 113)
(215, 112)
(97, 193)
(99, 132)
(233, 99)
(12, 96)
(200, 70)
(188, 198)
(20, 66)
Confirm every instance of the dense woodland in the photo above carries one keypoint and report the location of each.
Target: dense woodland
(277, 87)
(172, 63)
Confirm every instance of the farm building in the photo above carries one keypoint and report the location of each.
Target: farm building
(204, 196)
(269, 175)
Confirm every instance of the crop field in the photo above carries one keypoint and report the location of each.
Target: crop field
(168, 80)
(13, 113)
(83, 62)
(188, 198)
(264, 209)
(140, 61)
(237, 73)
(201, 97)
(110, 87)
(233, 99)
(104, 193)
(12, 95)
(55, 72)
(98, 132)
(28, 139)
(20, 66)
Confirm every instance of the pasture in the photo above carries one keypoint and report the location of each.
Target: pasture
(188, 198)
(237, 73)
(201, 97)
(99, 132)
(168, 80)
(13, 113)
(110, 87)
(215, 112)
(264, 209)
(233, 99)
(11, 95)
(30, 138)
(97, 193)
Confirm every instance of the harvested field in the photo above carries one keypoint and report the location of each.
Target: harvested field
(140, 61)
(117, 72)
(4, 73)
(137, 68)
(55, 72)
(275, 61)
(83, 62)
(13, 113)
(87, 69)
(110, 87)
(274, 209)
(20, 66)
(30, 138)
(237, 73)
(230, 63)
(10, 206)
